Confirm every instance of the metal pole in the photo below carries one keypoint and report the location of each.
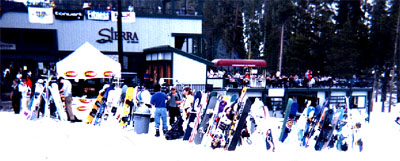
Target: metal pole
(119, 28)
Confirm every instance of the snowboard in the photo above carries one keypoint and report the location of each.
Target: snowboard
(35, 101)
(289, 119)
(57, 101)
(313, 125)
(95, 108)
(239, 109)
(297, 132)
(269, 141)
(331, 140)
(205, 120)
(241, 118)
(103, 106)
(326, 128)
(188, 131)
(192, 115)
(199, 116)
(212, 124)
(127, 106)
(113, 101)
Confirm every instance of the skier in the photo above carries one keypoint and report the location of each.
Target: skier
(158, 100)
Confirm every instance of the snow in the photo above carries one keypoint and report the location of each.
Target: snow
(48, 139)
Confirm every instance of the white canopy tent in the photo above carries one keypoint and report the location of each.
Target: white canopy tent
(87, 62)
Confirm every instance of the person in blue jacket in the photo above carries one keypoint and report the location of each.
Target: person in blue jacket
(158, 101)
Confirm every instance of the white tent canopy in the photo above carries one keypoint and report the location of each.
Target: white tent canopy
(87, 62)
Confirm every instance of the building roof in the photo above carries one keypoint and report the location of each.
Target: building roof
(167, 48)
(240, 62)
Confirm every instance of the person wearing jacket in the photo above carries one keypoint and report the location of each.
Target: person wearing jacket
(158, 100)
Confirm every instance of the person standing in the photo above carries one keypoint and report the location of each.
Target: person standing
(16, 96)
(146, 79)
(158, 100)
(174, 100)
(66, 91)
(187, 104)
(24, 89)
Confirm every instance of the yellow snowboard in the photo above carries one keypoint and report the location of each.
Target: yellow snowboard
(126, 110)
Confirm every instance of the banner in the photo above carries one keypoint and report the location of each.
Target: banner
(127, 17)
(40, 15)
(68, 14)
(98, 15)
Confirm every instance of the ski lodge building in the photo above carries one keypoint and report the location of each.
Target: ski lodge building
(167, 45)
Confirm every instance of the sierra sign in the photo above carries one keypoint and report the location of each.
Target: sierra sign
(109, 35)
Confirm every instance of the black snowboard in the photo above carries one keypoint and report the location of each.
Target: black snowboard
(188, 131)
(204, 120)
(242, 120)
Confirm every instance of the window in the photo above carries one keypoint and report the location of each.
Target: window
(337, 101)
(159, 56)
(357, 102)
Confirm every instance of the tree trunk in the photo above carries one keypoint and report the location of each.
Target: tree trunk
(395, 53)
(281, 49)
(234, 29)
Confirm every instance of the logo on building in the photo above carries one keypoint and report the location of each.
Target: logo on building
(98, 15)
(41, 14)
(109, 35)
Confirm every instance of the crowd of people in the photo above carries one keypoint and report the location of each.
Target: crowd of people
(237, 79)
(20, 83)
(170, 104)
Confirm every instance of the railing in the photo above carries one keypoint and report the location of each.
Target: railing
(194, 87)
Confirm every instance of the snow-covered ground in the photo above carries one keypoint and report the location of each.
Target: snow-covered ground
(47, 139)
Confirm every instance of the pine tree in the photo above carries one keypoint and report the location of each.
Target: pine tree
(297, 52)
(253, 28)
(380, 38)
(223, 21)
(276, 14)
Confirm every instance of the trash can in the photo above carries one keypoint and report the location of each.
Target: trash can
(141, 119)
